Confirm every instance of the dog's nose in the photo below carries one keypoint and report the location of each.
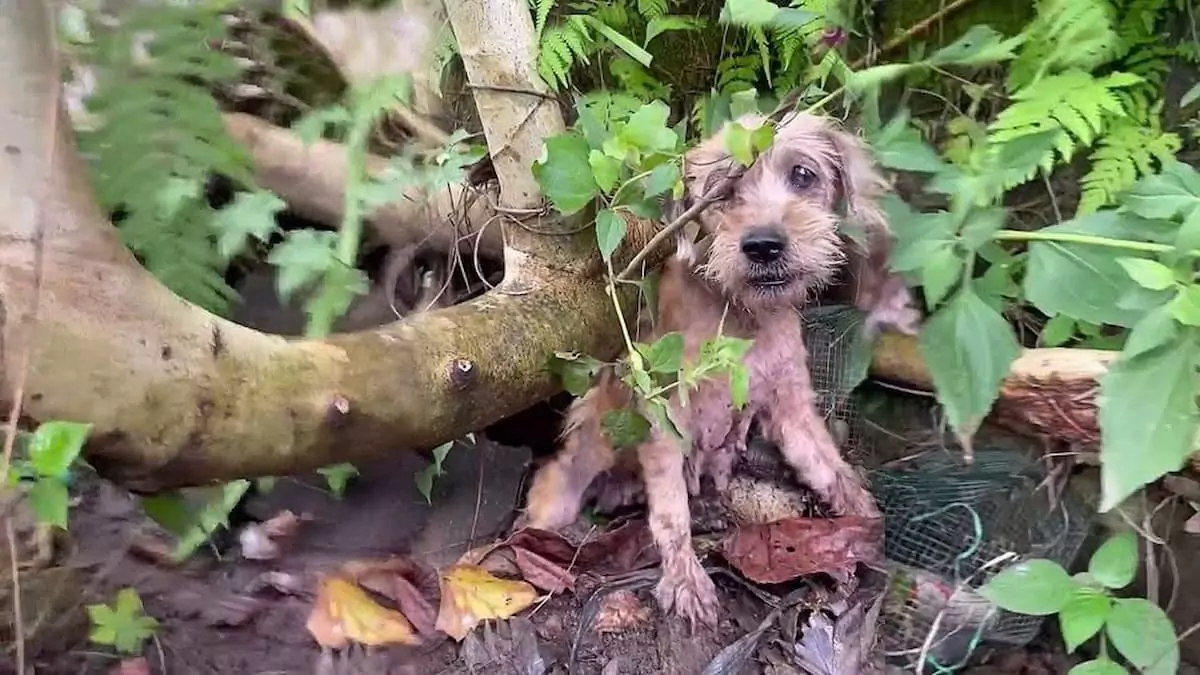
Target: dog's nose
(763, 244)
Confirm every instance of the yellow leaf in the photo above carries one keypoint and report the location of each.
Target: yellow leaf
(344, 612)
(470, 594)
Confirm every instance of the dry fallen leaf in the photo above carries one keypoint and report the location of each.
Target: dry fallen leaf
(260, 541)
(776, 552)
(470, 595)
(344, 612)
(620, 611)
(400, 580)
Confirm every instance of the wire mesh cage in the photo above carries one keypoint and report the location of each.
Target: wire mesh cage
(948, 526)
(839, 356)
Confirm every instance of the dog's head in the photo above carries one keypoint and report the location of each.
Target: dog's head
(777, 232)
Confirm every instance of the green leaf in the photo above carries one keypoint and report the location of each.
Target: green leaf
(662, 24)
(1166, 195)
(900, 146)
(1115, 563)
(968, 347)
(941, 271)
(980, 45)
(564, 173)
(918, 235)
(610, 231)
(1098, 667)
(1057, 330)
(426, 476)
(1082, 616)
(980, 225)
(49, 499)
(575, 370)
(301, 258)
(1142, 633)
(1148, 273)
(662, 178)
(739, 144)
(1156, 329)
(251, 214)
(875, 76)
(647, 128)
(337, 477)
(739, 386)
(124, 625)
(762, 138)
(623, 43)
(1083, 282)
(55, 446)
(1185, 306)
(606, 169)
(338, 289)
(1035, 587)
(1147, 416)
(1190, 96)
(624, 428)
(665, 355)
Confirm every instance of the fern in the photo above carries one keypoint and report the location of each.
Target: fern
(1075, 103)
(561, 48)
(159, 136)
(1065, 35)
(1130, 150)
(652, 9)
(541, 12)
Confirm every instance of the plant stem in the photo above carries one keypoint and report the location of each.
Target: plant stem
(1090, 240)
(320, 323)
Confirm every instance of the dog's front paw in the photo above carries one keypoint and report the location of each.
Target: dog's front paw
(686, 590)
(850, 498)
(895, 308)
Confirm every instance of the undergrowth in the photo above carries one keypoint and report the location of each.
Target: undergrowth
(1080, 88)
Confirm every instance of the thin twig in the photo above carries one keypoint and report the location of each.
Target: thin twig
(18, 616)
(914, 30)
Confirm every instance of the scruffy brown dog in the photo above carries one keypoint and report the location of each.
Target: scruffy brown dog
(769, 246)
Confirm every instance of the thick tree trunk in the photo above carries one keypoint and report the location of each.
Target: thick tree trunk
(180, 397)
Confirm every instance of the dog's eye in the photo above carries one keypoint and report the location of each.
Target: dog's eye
(802, 177)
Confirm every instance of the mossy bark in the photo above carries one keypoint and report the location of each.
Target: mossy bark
(178, 396)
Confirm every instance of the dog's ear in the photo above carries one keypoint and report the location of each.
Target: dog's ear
(860, 187)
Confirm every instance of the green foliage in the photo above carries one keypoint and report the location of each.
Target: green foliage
(156, 135)
(124, 625)
(194, 521)
(1136, 628)
(337, 477)
(41, 467)
(426, 476)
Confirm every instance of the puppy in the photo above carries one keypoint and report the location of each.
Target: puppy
(770, 244)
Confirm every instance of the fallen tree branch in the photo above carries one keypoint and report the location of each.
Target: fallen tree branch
(312, 179)
(178, 396)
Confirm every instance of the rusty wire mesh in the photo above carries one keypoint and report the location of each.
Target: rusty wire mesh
(948, 526)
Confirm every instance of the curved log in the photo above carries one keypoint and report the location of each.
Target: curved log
(1049, 392)
(180, 397)
(311, 179)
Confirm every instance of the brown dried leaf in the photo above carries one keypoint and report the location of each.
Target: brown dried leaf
(621, 611)
(344, 612)
(282, 525)
(134, 666)
(622, 549)
(400, 580)
(776, 552)
(470, 594)
(541, 572)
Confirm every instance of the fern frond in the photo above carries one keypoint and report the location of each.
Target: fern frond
(1127, 151)
(652, 9)
(159, 135)
(1075, 103)
(1065, 35)
(541, 12)
(561, 48)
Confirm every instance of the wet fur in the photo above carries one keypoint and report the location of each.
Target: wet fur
(708, 287)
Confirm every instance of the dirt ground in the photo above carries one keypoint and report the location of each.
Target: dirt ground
(223, 613)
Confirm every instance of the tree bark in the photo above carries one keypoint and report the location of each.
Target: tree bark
(1049, 393)
(180, 397)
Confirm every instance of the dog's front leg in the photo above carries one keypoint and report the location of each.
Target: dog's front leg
(685, 586)
(806, 445)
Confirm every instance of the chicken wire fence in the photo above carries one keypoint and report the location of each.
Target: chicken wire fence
(948, 526)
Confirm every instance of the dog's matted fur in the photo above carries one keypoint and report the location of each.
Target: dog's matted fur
(771, 243)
